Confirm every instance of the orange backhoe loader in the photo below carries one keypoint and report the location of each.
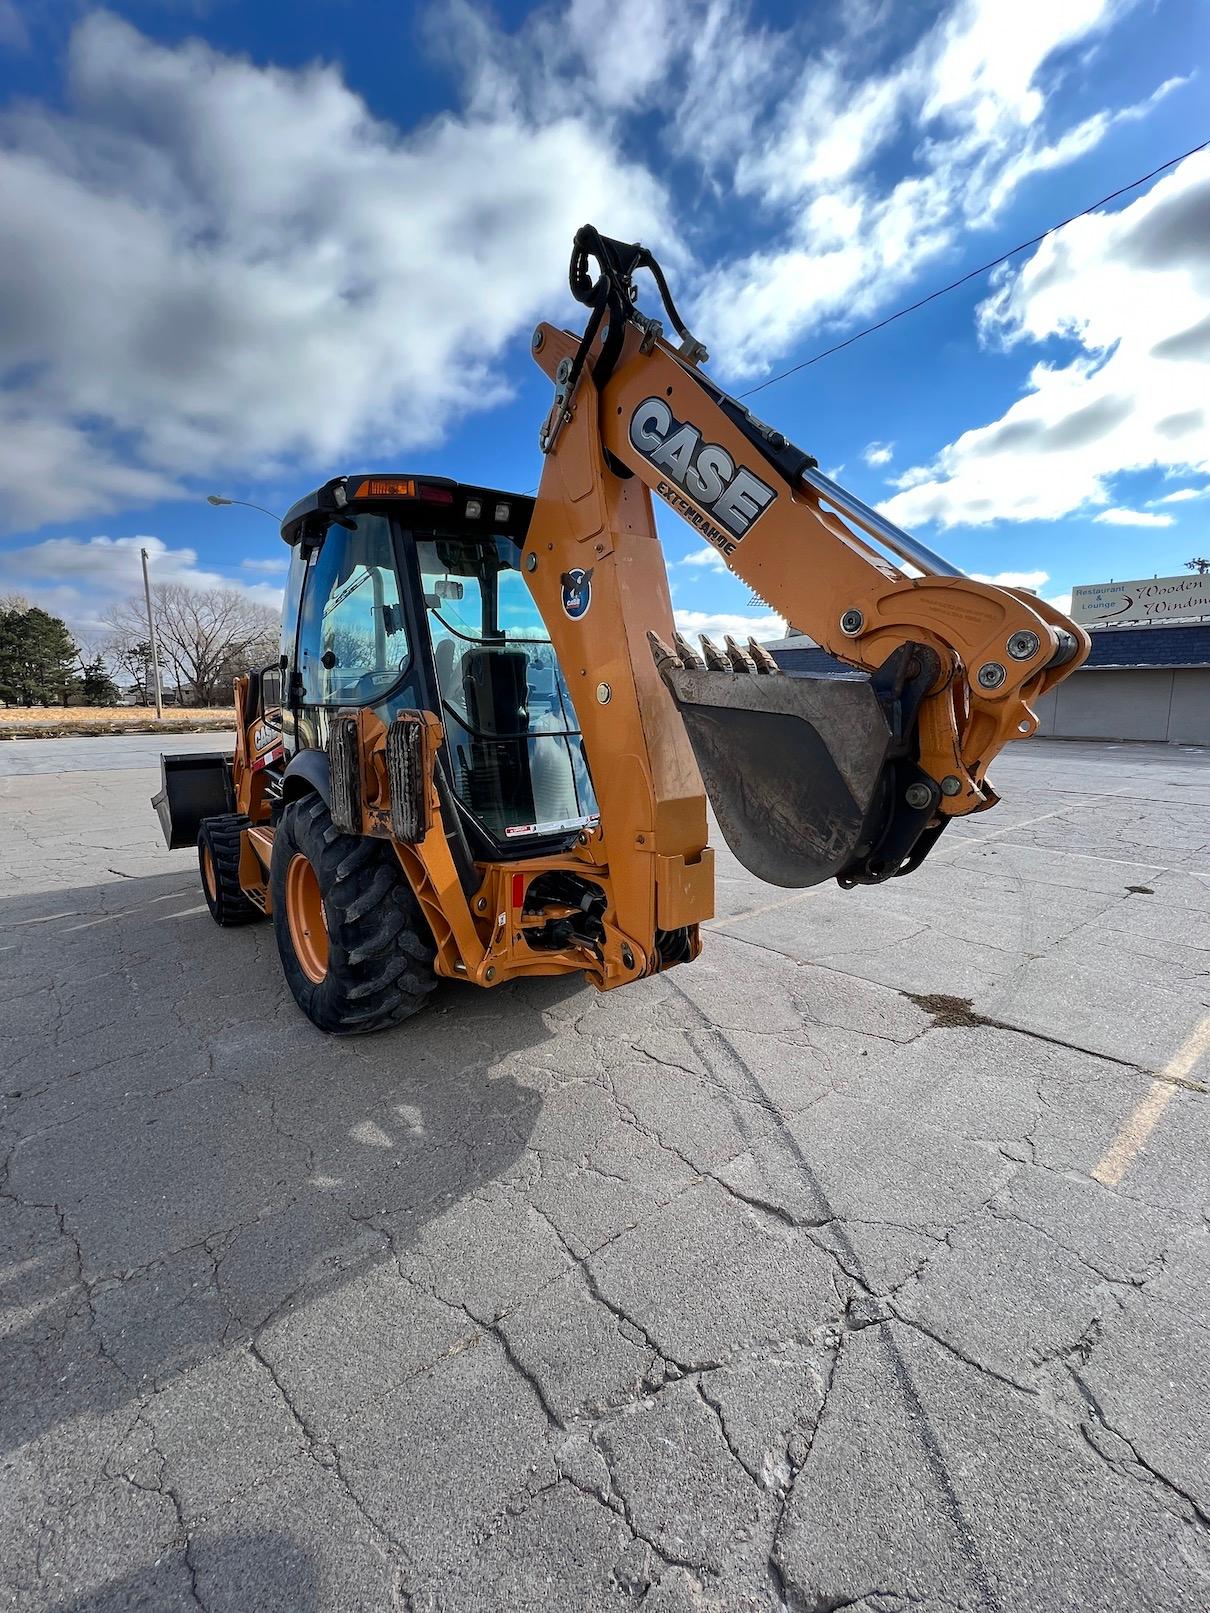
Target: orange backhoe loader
(483, 752)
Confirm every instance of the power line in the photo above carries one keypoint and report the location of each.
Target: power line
(973, 273)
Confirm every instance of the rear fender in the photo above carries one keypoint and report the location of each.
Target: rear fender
(307, 773)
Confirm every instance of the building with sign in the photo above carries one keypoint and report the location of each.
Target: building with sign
(1149, 680)
(1148, 599)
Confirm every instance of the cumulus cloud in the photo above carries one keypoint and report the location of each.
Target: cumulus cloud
(878, 453)
(1125, 289)
(55, 469)
(705, 558)
(967, 99)
(1121, 517)
(740, 625)
(1013, 579)
(563, 56)
(1182, 495)
(80, 578)
(271, 273)
(221, 264)
(271, 567)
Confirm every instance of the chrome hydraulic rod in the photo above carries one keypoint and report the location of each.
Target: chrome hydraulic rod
(877, 526)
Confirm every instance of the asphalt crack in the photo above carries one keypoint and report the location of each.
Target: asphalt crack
(1186, 1505)
(326, 1455)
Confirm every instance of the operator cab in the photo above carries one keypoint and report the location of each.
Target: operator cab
(406, 593)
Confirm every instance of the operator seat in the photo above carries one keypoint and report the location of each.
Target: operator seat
(496, 782)
(448, 682)
(497, 692)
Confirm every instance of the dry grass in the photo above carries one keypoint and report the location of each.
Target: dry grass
(53, 721)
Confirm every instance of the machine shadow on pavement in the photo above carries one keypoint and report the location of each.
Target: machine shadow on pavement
(273, 1570)
(201, 1156)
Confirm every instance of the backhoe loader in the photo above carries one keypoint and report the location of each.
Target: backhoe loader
(486, 751)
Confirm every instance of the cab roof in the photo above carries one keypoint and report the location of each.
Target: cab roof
(461, 507)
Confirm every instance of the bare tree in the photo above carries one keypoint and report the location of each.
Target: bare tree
(1199, 563)
(207, 636)
(130, 658)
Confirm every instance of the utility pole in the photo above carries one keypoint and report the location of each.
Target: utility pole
(155, 643)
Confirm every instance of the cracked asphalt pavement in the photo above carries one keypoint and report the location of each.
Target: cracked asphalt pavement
(861, 1265)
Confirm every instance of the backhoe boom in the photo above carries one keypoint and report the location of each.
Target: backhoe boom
(955, 666)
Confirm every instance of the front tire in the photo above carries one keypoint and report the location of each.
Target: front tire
(218, 854)
(355, 948)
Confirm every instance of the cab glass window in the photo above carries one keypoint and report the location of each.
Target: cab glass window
(353, 643)
(515, 744)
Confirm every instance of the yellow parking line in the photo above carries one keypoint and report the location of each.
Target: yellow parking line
(1142, 1121)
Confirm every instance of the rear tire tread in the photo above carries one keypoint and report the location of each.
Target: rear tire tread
(221, 835)
(380, 950)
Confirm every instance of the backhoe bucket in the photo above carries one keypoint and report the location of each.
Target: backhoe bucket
(795, 767)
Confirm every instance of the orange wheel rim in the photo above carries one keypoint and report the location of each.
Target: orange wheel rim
(208, 878)
(305, 916)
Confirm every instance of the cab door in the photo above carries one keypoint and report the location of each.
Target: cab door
(353, 647)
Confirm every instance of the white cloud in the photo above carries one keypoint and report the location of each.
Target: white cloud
(704, 558)
(53, 469)
(1131, 291)
(274, 274)
(80, 578)
(1181, 496)
(271, 567)
(878, 453)
(562, 56)
(740, 625)
(1074, 143)
(1013, 579)
(1120, 517)
(209, 264)
(1061, 602)
(967, 99)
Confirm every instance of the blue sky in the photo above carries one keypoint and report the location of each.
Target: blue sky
(255, 245)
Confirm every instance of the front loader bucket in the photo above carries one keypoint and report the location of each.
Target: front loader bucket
(802, 772)
(197, 785)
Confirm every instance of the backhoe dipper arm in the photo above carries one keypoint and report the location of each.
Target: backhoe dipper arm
(954, 665)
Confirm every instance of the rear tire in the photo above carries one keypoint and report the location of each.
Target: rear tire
(355, 948)
(218, 849)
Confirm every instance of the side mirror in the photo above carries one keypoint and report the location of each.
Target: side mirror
(269, 713)
(270, 689)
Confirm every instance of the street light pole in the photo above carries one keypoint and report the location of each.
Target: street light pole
(217, 499)
(155, 642)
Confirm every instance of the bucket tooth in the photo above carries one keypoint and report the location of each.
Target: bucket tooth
(764, 662)
(740, 660)
(715, 659)
(660, 653)
(688, 655)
